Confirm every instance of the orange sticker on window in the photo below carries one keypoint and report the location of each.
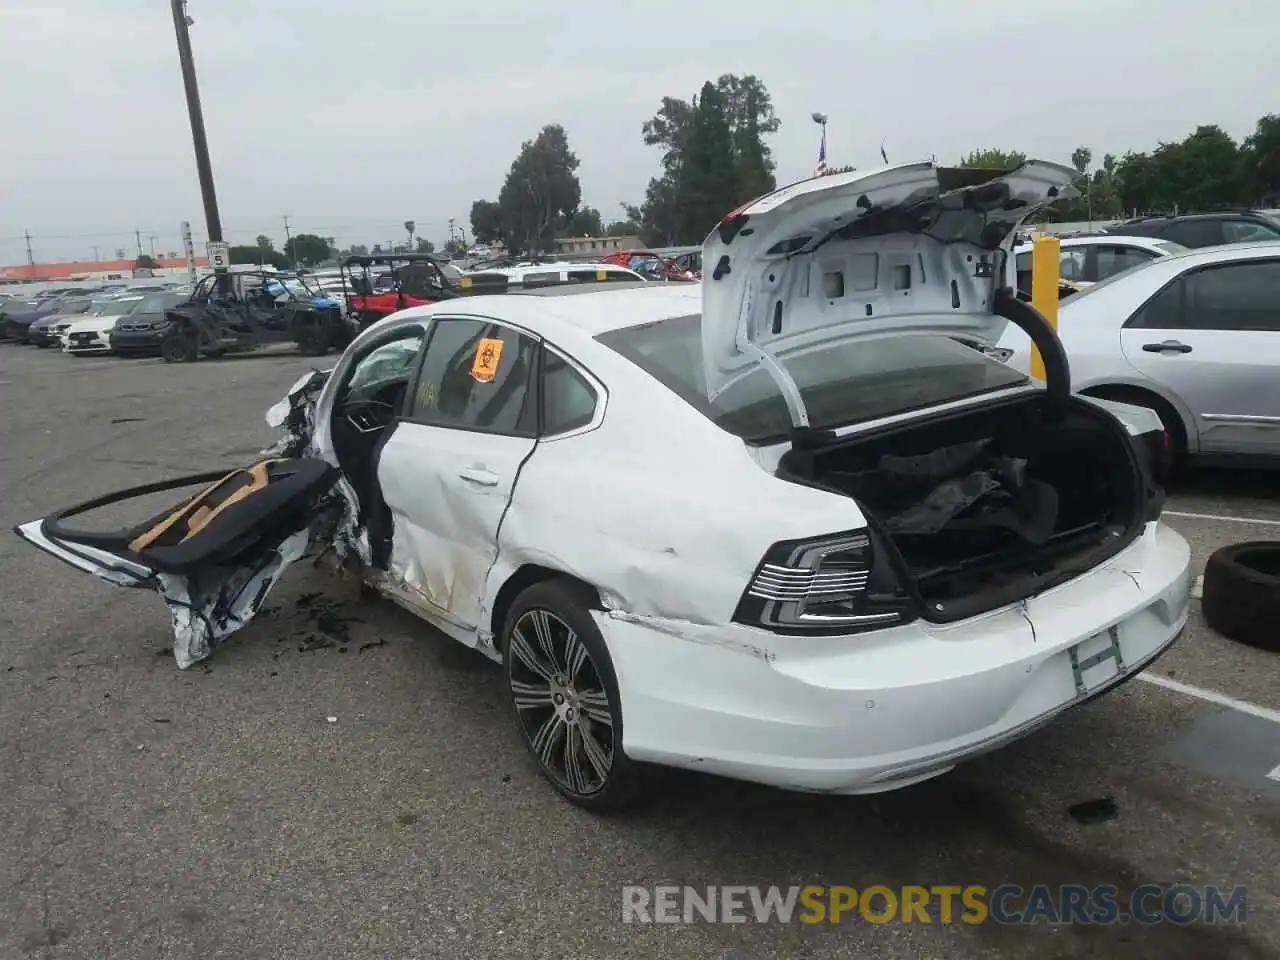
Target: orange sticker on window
(485, 365)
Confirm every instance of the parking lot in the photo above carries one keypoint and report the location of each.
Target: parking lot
(339, 781)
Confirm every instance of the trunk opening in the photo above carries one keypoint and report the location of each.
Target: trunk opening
(984, 508)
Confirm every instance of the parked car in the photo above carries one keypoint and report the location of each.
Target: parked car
(47, 331)
(1195, 337)
(560, 274)
(140, 332)
(790, 525)
(650, 265)
(19, 317)
(91, 334)
(1205, 229)
(1083, 261)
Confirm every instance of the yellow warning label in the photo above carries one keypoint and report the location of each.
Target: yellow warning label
(602, 274)
(485, 365)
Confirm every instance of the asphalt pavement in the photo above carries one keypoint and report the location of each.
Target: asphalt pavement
(341, 781)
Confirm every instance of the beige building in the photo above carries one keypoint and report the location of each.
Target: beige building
(579, 246)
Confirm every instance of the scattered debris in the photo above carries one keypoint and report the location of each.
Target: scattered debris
(375, 643)
(408, 819)
(160, 720)
(128, 419)
(1090, 812)
(307, 599)
(506, 778)
(332, 719)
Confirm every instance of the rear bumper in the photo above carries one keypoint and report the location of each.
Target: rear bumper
(881, 710)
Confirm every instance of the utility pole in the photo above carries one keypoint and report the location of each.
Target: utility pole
(31, 260)
(204, 169)
(287, 240)
(137, 235)
(95, 253)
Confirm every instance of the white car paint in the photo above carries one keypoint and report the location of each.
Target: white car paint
(667, 516)
(1225, 390)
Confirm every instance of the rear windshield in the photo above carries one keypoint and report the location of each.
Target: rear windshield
(841, 384)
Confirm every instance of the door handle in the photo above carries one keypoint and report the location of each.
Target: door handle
(479, 476)
(1168, 346)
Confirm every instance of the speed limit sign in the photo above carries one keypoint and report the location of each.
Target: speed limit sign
(219, 255)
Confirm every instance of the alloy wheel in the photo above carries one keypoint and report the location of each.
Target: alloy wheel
(561, 702)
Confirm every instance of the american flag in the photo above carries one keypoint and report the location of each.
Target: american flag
(821, 169)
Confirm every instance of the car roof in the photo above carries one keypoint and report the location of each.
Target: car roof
(578, 311)
(1102, 238)
(1229, 251)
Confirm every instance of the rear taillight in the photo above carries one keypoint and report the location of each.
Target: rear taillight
(828, 585)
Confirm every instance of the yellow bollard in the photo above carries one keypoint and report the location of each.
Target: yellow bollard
(1045, 253)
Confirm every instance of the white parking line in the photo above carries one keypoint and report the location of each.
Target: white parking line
(1212, 696)
(1220, 518)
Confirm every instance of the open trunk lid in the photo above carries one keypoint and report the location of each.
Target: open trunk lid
(908, 249)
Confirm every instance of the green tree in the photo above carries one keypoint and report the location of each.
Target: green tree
(707, 188)
(994, 159)
(584, 222)
(308, 249)
(252, 254)
(264, 242)
(540, 190)
(425, 246)
(486, 221)
(622, 228)
(745, 109)
(1260, 162)
(750, 111)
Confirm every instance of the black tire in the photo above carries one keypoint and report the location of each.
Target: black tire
(312, 337)
(1241, 594)
(561, 604)
(43, 344)
(179, 346)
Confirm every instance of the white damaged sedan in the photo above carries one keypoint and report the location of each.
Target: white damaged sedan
(792, 525)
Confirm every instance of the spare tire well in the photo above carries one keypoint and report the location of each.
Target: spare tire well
(524, 577)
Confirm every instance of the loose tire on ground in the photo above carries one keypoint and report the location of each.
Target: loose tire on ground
(568, 604)
(1241, 594)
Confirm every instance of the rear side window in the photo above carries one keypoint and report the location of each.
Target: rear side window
(568, 400)
(1112, 260)
(477, 376)
(1247, 231)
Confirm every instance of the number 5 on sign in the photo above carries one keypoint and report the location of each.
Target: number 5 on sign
(484, 366)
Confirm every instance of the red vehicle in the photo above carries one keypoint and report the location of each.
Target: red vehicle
(405, 280)
(650, 265)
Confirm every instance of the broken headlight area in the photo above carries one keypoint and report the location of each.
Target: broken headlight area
(295, 415)
(213, 557)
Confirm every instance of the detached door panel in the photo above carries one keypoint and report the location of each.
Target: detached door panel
(1212, 338)
(449, 470)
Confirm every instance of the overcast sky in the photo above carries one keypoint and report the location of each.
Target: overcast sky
(352, 117)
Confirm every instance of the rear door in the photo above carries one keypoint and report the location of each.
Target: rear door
(1212, 337)
(449, 469)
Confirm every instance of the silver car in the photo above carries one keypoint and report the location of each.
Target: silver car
(1195, 337)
